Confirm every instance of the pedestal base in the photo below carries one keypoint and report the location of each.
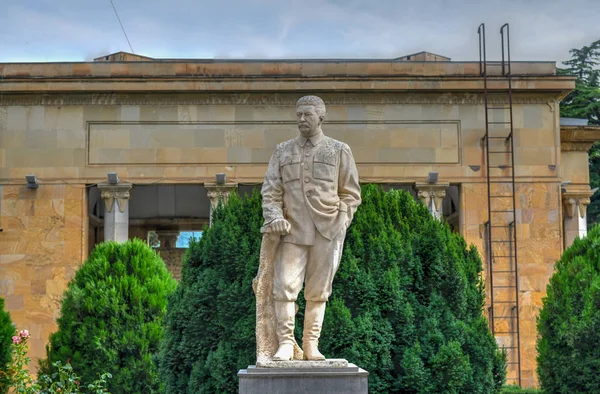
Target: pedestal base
(302, 380)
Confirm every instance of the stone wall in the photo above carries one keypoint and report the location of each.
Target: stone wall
(539, 241)
(173, 259)
(44, 239)
(396, 137)
(72, 140)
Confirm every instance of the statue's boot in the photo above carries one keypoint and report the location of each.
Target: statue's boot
(285, 312)
(313, 321)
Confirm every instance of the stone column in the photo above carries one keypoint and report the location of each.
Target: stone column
(167, 239)
(575, 203)
(219, 192)
(432, 194)
(116, 213)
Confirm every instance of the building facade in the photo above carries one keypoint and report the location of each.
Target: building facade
(168, 127)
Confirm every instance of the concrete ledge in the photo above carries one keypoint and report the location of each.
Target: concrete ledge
(348, 380)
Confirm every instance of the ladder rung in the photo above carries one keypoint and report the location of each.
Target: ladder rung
(499, 151)
(501, 226)
(498, 122)
(499, 138)
(504, 317)
(495, 257)
(501, 166)
(498, 107)
(501, 197)
(504, 287)
(508, 182)
(501, 211)
(503, 240)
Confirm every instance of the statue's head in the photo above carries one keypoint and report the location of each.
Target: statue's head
(310, 113)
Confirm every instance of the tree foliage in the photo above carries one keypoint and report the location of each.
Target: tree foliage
(111, 318)
(210, 323)
(584, 101)
(593, 210)
(569, 322)
(7, 331)
(406, 305)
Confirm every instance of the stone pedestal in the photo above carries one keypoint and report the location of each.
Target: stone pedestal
(116, 213)
(301, 377)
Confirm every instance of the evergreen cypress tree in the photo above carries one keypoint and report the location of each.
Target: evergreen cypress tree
(6, 333)
(584, 101)
(569, 322)
(210, 323)
(406, 305)
(111, 318)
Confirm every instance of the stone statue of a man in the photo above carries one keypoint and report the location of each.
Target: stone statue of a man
(310, 194)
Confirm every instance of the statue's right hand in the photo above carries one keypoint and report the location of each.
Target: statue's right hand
(280, 227)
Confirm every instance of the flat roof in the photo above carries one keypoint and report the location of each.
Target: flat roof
(390, 67)
(274, 75)
(287, 60)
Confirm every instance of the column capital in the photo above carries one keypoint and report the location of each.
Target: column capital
(167, 238)
(111, 192)
(573, 199)
(427, 191)
(220, 192)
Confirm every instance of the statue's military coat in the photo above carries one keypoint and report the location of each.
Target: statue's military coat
(313, 183)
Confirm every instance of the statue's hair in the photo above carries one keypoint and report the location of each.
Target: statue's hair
(315, 101)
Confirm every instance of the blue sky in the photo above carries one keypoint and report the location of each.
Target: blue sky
(78, 30)
(183, 241)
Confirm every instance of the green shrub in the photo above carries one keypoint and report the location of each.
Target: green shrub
(569, 322)
(111, 318)
(64, 380)
(7, 331)
(406, 306)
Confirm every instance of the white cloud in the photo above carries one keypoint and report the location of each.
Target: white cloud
(80, 30)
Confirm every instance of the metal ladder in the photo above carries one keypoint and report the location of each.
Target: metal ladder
(503, 283)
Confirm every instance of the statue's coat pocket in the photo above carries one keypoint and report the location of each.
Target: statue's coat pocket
(324, 168)
(290, 168)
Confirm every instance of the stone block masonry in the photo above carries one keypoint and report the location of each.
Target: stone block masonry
(43, 241)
